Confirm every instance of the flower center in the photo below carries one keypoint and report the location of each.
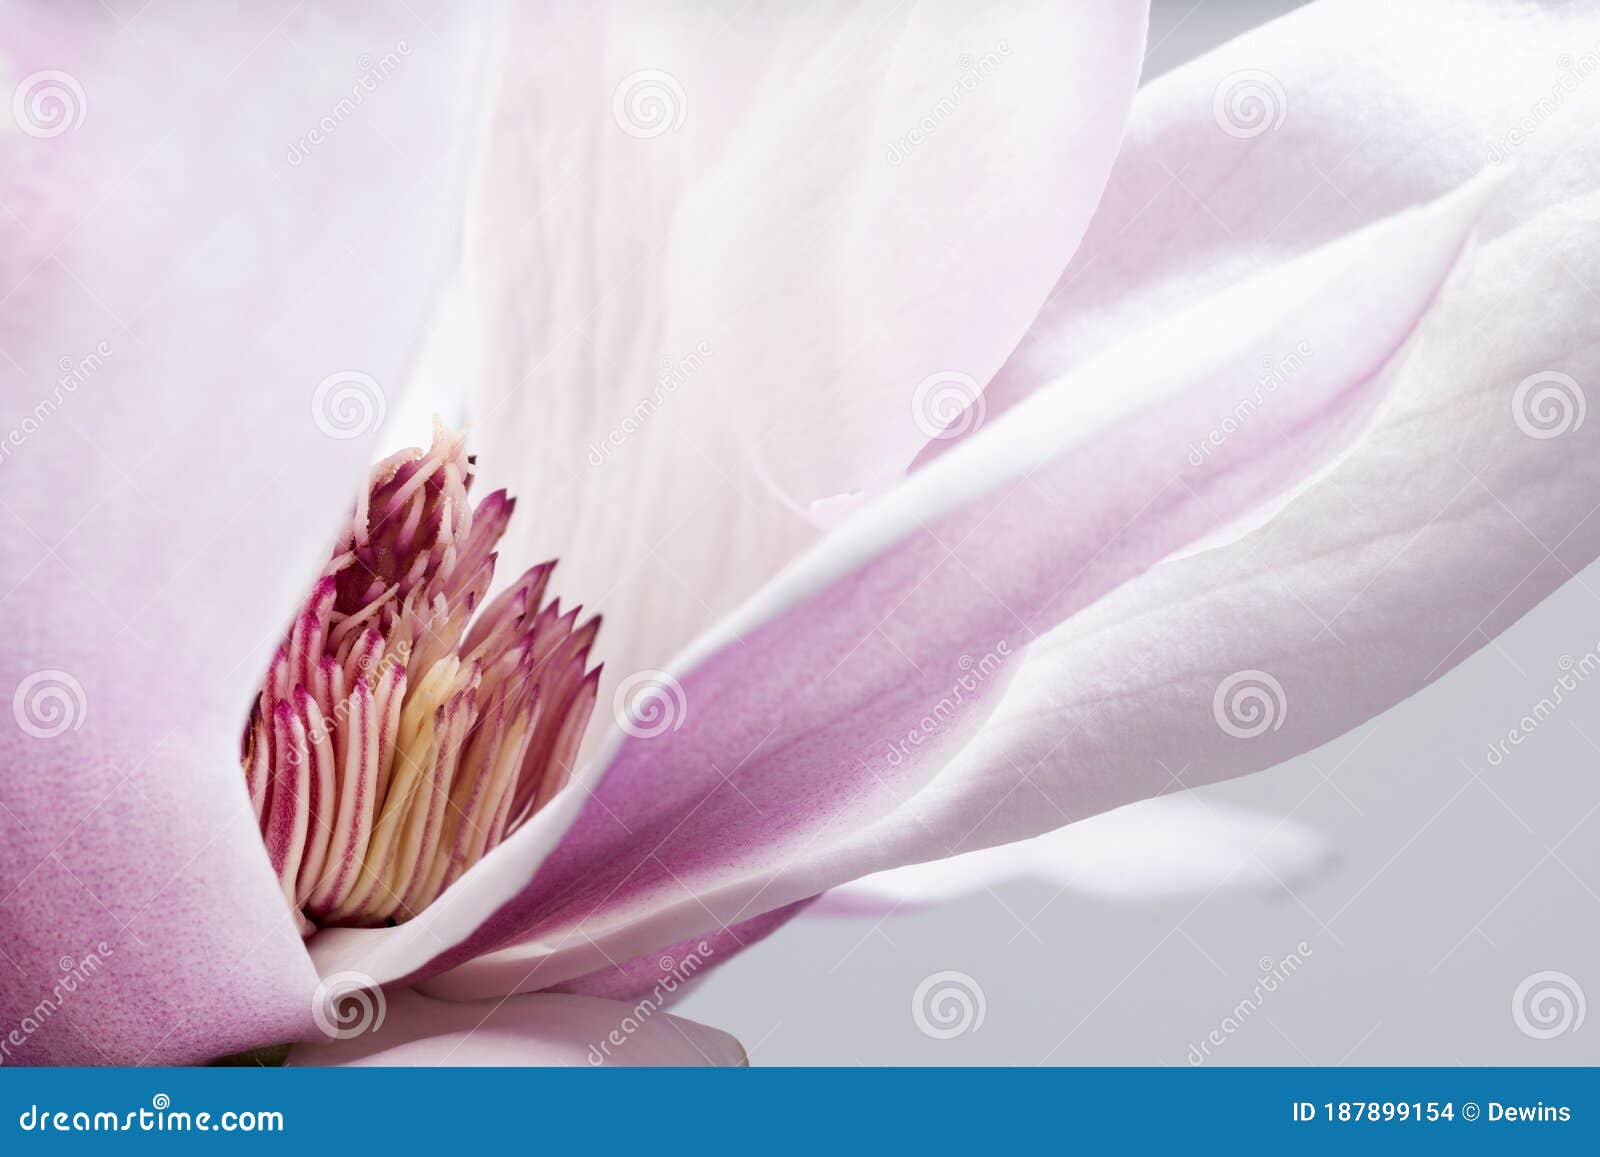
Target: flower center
(397, 738)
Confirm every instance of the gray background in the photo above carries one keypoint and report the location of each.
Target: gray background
(1455, 881)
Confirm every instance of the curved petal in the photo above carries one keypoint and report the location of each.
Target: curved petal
(514, 969)
(1471, 500)
(837, 693)
(214, 264)
(713, 276)
(546, 1029)
(1331, 117)
(1172, 845)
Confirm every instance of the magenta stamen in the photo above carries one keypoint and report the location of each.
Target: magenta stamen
(398, 738)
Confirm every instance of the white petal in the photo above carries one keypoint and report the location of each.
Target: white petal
(1169, 846)
(711, 286)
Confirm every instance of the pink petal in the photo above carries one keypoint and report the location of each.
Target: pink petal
(697, 327)
(1470, 501)
(177, 288)
(791, 711)
(1318, 123)
(546, 1029)
(512, 969)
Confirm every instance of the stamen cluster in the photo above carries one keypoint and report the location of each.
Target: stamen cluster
(398, 737)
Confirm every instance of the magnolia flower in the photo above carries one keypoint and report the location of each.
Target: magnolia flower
(956, 444)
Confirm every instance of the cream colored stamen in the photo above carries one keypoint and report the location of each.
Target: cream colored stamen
(397, 738)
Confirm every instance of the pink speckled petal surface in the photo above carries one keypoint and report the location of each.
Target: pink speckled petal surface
(543, 1029)
(178, 284)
